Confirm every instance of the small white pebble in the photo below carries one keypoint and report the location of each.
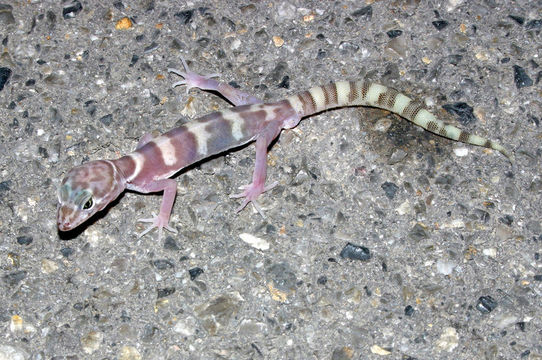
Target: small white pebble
(461, 152)
(491, 252)
(254, 241)
(445, 267)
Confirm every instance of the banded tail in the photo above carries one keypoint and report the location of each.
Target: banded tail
(351, 93)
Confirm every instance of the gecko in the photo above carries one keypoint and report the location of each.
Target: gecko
(89, 188)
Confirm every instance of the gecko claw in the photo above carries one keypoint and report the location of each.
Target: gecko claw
(251, 193)
(157, 222)
(191, 79)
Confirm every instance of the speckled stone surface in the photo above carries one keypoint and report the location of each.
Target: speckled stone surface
(381, 240)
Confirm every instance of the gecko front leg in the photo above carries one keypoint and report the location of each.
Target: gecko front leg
(169, 187)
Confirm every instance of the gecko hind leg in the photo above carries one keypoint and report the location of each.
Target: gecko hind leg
(206, 82)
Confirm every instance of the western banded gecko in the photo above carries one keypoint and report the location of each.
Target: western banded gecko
(88, 188)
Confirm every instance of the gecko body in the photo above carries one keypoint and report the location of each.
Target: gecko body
(88, 188)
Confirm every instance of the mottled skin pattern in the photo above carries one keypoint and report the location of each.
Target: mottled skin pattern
(88, 188)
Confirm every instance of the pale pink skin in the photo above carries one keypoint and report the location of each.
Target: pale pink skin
(105, 180)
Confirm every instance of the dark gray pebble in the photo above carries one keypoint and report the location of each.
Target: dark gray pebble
(71, 9)
(507, 220)
(463, 111)
(322, 280)
(521, 78)
(162, 264)
(440, 24)
(534, 24)
(195, 272)
(5, 74)
(518, 19)
(355, 252)
(390, 189)
(25, 240)
(67, 252)
(185, 17)
(285, 82)
(486, 304)
(455, 59)
(171, 244)
(283, 276)
(409, 310)
(106, 119)
(394, 33)
(365, 12)
(165, 292)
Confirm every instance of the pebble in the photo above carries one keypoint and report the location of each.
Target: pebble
(162, 264)
(185, 17)
(25, 240)
(486, 304)
(48, 266)
(394, 33)
(521, 78)
(355, 252)
(446, 267)
(129, 353)
(343, 353)
(5, 74)
(186, 326)
(195, 272)
(160, 293)
(254, 241)
(534, 24)
(124, 24)
(448, 340)
(463, 111)
(91, 341)
(366, 13)
(491, 252)
(520, 20)
(390, 189)
(217, 312)
(6, 16)
(418, 232)
(375, 349)
(71, 9)
(397, 156)
(504, 320)
(282, 276)
(409, 310)
(440, 24)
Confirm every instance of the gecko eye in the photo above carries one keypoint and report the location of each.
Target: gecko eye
(88, 204)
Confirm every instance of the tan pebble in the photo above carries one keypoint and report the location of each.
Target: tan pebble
(123, 24)
(278, 41)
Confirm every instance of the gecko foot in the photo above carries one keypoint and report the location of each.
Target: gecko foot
(191, 79)
(157, 222)
(251, 193)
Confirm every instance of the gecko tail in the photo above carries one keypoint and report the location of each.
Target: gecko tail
(362, 93)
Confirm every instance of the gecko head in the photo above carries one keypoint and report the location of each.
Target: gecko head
(85, 190)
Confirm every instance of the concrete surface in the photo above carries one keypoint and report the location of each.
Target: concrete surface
(453, 231)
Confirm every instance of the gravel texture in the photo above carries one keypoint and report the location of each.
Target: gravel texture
(380, 241)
